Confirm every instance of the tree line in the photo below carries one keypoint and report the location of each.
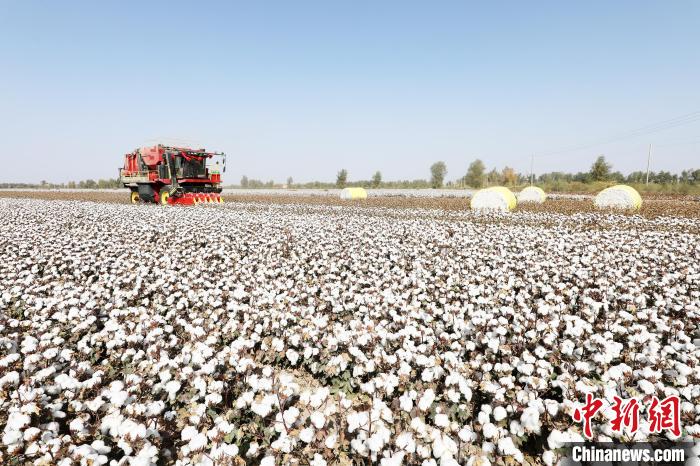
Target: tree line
(477, 176)
(110, 183)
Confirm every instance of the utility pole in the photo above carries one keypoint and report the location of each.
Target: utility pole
(532, 167)
(648, 163)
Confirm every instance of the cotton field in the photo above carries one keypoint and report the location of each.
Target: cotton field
(275, 334)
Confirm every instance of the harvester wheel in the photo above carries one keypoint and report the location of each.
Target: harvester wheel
(135, 197)
(164, 195)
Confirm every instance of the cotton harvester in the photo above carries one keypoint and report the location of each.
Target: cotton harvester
(172, 175)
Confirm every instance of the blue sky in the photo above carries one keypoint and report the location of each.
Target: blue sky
(303, 89)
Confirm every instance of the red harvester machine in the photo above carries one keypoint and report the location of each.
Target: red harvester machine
(172, 175)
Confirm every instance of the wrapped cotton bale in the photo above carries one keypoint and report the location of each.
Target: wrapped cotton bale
(353, 193)
(618, 197)
(495, 198)
(532, 194)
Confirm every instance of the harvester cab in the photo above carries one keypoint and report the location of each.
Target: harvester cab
(172, 175)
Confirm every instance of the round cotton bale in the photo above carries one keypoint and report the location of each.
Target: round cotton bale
(532, 194)
(618, 197)
(353, 194)
(494, 198)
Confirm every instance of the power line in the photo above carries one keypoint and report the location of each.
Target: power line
(648, 129)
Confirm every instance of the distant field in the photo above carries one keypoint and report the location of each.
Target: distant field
(447, 200)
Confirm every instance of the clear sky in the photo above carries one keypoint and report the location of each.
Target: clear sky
(302, 89)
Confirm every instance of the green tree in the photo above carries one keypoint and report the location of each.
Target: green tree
(376, 179)
(290, 182)
(342, 178)
(493, 177)
(600, 170)
(664, 177)
(637, 177)
(475, 174)
(438, 170)
(695, 176)
(244, 181)
(509, 176)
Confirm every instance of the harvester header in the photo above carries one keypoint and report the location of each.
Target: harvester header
(172, 175)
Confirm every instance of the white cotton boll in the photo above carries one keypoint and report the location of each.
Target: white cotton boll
(368, 387)
(188, 433)
(252, 449)
(552, 407)
(405, 442)
(318, 397)
(292, 356)
(490, 431)
(246, 399)
(268, 461)
(530, 419)
(198, 442)
(213, 399)
(482, 418)
(331, 441)
(453, 395)
(375, 442)
(507, 448)
(447, 460)
(95, 404)
(306, 435)
(419, 426)
(17, 421)
(526, 369)
(499, 413)
(317, 419)
(9, 359)
(290, 415)
(318, 460)
(406, 402)
(201, 385)
(557, 438)
(426, 400)
(11, 437)
(567, 347)
(154, 408)
(76, 425)
(31, 434)
(11, 379)
(357, 420)
(441, 420)
(277, 345)
(263, 407)
(394, 460)
(172, 388)
(549, 457)
(646, 387)
(466, 434)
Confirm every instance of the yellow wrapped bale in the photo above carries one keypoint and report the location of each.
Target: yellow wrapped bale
(618, 197)
(353, 193)
(494, 198)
